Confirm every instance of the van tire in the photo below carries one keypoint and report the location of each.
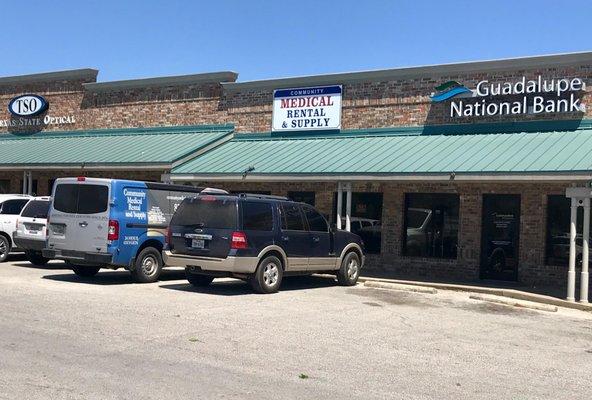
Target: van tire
(36, 258)
(199, 280)
(349, 272)
(4, 247)
(268, 276)
(148, 266)
(85, 271)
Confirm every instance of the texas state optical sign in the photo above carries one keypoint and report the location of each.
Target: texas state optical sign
(303, 109)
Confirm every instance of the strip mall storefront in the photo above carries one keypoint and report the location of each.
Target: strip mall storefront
(452, 172)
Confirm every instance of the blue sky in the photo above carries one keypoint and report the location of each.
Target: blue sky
(268, 39)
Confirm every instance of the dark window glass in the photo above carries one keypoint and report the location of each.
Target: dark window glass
(365, 219)
(207, 212)
(431, 225)
(303, 197)
(292, 217)
(13, 207)
(36, 209)
(558, 219)
(316, 222)
(4, 186)
(81, 199)
(257, 216)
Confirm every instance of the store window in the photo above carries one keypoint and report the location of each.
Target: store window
(34, 191)
(50, 183)
(365, 219)
(303, 197)
(431, 225)
(558, 219)
(4, 186)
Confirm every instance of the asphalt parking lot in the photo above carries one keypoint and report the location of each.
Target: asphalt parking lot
(107, 338)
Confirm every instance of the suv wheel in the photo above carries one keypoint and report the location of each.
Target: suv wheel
(350, 269)
(198, 280)
(4, 248)
(148, 266)
(85, 271)
(36, 258)
(268, 276)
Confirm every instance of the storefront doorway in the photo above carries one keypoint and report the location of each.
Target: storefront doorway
(500, 236)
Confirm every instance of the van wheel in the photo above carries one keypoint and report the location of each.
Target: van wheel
(36, 258)
(268, 276)
(4, 248)
(198, 280)
(148, 266)
(350, 269)
(85, 271)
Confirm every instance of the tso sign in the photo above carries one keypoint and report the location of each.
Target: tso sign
(302, 109)
(27, 105)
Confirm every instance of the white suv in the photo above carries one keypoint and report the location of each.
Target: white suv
(10, 208)
(31, 228)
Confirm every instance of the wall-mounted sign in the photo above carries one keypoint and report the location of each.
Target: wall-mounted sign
(535, 96)
(27, 110)
(27, 105)
(305, 109)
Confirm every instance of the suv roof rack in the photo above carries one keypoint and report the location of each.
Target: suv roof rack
(262, 196)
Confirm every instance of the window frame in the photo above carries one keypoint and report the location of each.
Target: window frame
(283, 218)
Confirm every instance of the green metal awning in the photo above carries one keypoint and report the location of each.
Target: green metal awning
(398, 154)
(146, 148)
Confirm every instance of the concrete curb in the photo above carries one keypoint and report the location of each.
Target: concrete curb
(510, 293)
(398, 286)
(514, 302)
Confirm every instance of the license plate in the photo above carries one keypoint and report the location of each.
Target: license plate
(33, 228)
(197, 243)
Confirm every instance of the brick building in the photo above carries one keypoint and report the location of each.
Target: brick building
(454, 171)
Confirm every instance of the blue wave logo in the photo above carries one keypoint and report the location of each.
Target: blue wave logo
(448, 90)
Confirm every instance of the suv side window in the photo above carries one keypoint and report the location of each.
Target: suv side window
(292, 217)
(316, 222)
(13, 207)
(257, 216)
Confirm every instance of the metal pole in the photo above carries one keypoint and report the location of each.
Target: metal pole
(571, 273)
(584, 276)
(339, 204)
(348, 208)
(25, 182)
(30, 186)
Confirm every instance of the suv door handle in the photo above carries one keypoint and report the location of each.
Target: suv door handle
(285, 238)
(83, 224)
(315, 239)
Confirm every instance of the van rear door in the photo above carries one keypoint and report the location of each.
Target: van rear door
(203, 226)
(79, 218)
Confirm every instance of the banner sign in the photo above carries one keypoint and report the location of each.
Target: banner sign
(304, 109)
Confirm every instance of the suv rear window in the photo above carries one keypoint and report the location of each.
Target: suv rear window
(81, 199)
(36, 209)
(257, 216)
(207, 212)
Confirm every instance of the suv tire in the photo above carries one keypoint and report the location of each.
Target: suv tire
(4, 247)
(350, 269)
(198, 280)
(268, 276)
(36, 258)
(85, 271)
(148, 266)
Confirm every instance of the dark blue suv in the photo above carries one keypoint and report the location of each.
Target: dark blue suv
(259, 239)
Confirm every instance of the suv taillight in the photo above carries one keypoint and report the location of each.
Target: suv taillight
(167, 238)
(238, 240)
(113, 232)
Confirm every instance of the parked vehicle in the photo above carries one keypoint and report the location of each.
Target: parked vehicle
(111, 223)
(11, 206)
(259, 239)
(31, 229)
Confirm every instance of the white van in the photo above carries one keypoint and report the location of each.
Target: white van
(31, 229)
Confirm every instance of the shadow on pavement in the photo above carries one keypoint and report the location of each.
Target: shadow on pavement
(16, 257)
(238, 287)
(107, 277)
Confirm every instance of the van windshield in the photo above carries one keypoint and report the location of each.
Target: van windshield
(81, 199)
(207, 212)
(36, 209)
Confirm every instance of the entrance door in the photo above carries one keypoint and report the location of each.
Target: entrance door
(500, 236)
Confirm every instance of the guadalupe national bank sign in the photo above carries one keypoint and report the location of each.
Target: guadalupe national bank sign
(529, 96)
(303, 109)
